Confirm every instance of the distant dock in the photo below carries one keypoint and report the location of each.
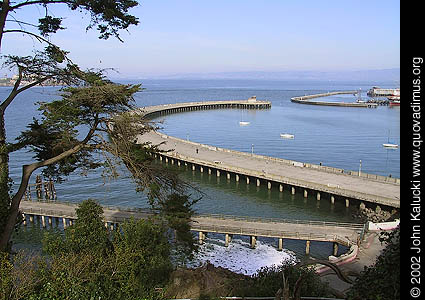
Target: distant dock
(307, 100)
(160, 110)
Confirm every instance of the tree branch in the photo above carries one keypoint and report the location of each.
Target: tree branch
(13, 93)
(38, 37)
(19, 5)
(27, 170)
(16, 90)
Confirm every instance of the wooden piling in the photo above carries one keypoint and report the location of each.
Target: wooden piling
(280, 244)
(307, 248)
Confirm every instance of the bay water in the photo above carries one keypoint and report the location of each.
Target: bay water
(341, 137)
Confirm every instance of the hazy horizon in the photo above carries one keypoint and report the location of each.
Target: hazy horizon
(392, 74)
(198, 37)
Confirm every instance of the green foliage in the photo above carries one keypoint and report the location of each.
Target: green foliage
(145, 245)
(57, 145)
(268, 280)
(177, 211)
(88, 234)
(129, 265)
(6, 279)
(88, 263)
(382, 280)
(49, 25)
(81, 109)
(109, 16)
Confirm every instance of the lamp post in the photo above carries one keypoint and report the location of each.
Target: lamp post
(360, 168)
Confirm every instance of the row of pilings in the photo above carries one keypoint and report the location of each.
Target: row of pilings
(248, 179)
(178, 108)
(56, 221)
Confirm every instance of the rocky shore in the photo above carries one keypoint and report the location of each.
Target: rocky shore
(376, 215)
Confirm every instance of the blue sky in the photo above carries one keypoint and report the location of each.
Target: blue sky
(189, 36)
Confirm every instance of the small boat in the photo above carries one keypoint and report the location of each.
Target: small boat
(243, 123)
(395, 103)
(394, 100)
(389, 145)
(287, 136)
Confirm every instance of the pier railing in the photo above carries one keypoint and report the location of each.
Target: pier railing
(271, 233)
(197, 215)
(357, 226)
(328, 188)
(282, 160)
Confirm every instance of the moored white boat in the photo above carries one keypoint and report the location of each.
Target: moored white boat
(287, 136)
(243, 123)
(389, 145)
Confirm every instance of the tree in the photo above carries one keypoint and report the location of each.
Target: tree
(286, 279)
(177, 212)
(88, 262)
(88, 234)
(110, 17)
(94, 115)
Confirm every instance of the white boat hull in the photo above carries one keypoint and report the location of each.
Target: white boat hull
(287, 136)
(394, 146)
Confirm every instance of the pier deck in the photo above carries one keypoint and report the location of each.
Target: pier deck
(307, 100)
(273, 171)
(343, 233)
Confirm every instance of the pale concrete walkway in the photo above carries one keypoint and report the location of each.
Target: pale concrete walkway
(369, 250)
(268, 168)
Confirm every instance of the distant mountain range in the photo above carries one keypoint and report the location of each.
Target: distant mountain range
(361, 75)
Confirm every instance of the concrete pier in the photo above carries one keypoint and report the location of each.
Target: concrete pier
(307, 100)
(161, 110)
(342, 233)
(324, 181)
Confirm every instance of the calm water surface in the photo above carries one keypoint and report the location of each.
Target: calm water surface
(335, 136)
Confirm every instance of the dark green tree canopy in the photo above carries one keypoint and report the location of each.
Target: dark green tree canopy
(77, 120)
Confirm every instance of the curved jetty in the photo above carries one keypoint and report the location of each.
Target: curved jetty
(322, 181)
(159, 110)
(307, 100)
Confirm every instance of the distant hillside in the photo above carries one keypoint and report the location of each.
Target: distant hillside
(362, 75)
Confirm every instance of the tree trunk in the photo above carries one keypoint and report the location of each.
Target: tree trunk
(14, 208)
(27, 170)
(4, 175)
(3, 15)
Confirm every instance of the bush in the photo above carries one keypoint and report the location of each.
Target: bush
(268, 280)
(86, 262)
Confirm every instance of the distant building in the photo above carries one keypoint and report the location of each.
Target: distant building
(378, 92)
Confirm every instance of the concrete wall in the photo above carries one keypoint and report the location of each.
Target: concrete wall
(383, 226)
